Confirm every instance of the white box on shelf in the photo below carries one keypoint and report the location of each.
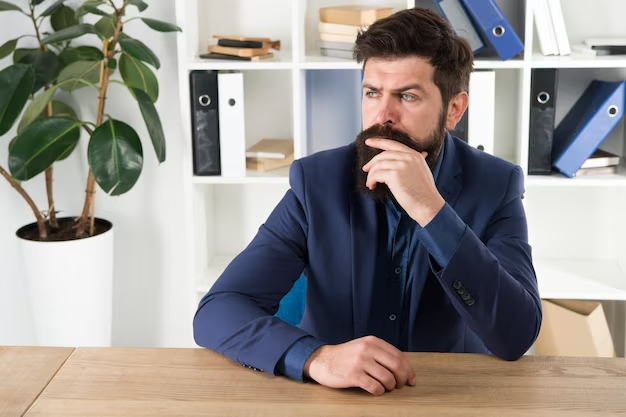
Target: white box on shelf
(482, 108)
(232, 124)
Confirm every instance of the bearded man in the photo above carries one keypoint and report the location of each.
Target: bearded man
(409, 239)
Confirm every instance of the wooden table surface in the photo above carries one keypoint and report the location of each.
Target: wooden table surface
(24, 373)
(197, 382)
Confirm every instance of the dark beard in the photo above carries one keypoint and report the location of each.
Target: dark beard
(431, 144)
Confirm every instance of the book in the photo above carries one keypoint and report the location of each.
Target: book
(213, 55)
(601, 158)
(336, 45)
(336, 53)
(353, 15)
(333, 37)
(271, 148)
(246, 42)
(596, 171)
(339, 29)
(269, 154)
(244, 52)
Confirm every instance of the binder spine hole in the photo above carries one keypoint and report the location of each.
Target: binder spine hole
(231, 102)
(204, 100)
(498, 31)
(613, 111)
(543, 97)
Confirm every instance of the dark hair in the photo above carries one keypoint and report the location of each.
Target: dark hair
(422, 33)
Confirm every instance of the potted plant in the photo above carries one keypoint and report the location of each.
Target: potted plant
(69, 260)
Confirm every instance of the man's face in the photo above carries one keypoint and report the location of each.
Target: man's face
(400, 102)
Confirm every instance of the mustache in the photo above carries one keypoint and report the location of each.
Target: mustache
(385, 132)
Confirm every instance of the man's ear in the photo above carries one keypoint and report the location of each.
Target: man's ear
(456, 107)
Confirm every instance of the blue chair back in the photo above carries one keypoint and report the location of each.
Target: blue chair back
(291, 307)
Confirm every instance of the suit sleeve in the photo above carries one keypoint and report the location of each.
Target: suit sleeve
(491, 282)
(236, 317)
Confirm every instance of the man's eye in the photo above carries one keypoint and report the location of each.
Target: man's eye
(408, 97)
(371, 94)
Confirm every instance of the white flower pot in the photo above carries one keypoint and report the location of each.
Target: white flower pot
(71, 288)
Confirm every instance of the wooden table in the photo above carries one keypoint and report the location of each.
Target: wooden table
(197, 382)
(24, 373)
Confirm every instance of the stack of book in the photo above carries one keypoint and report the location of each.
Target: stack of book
(242, 48)
(339, 26)
(601, 46)
(269, 154)
(601, 162)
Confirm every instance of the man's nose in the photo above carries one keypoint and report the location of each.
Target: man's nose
(386, 113)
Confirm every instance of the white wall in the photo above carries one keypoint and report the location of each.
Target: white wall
(150, 300)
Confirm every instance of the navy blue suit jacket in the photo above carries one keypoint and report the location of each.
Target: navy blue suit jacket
(485, 300)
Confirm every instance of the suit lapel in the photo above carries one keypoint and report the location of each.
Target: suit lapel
(364, 226)
(449, 181)
(449, 184)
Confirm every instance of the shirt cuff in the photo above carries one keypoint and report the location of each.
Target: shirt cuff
(292, 363)
(442, 235)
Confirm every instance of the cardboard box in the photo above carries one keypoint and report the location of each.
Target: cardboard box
(574, 328)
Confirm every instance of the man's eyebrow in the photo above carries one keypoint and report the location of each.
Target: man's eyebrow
(414, 86)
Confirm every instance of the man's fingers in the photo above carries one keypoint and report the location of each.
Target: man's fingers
(387, 144)
(370, 384)
(378, 175)
(399, 359)
(387, 155)
(395, 365)
(381, 374)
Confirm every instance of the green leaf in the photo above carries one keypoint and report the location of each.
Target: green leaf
(8, 48)
(36, 2)
(106, 27)
(63, 18)
(137, 75)
(40, 145)
(90, 6)
(67, 152)
(115, 156)
(12, 143)
(95, 10)
(21, 53)
(53, 8)
(76, 71)
(60, 109)
(46, 65)
(139, 4)
(16, 83)
(35, 108)
(153, 123)
(140, 51)
(70, 33)
(112, 64)
(161, 26)
(5, 7)
(80, 53)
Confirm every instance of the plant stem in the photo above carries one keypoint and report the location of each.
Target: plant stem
(48, 113)
(41, 224)
(49, 181)
(90, 192)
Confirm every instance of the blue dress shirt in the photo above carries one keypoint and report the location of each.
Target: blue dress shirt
(396, 267)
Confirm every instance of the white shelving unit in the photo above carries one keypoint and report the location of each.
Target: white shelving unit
(577, 227)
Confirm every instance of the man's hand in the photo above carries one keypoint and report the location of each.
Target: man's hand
(408, 177)
(369, 363)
